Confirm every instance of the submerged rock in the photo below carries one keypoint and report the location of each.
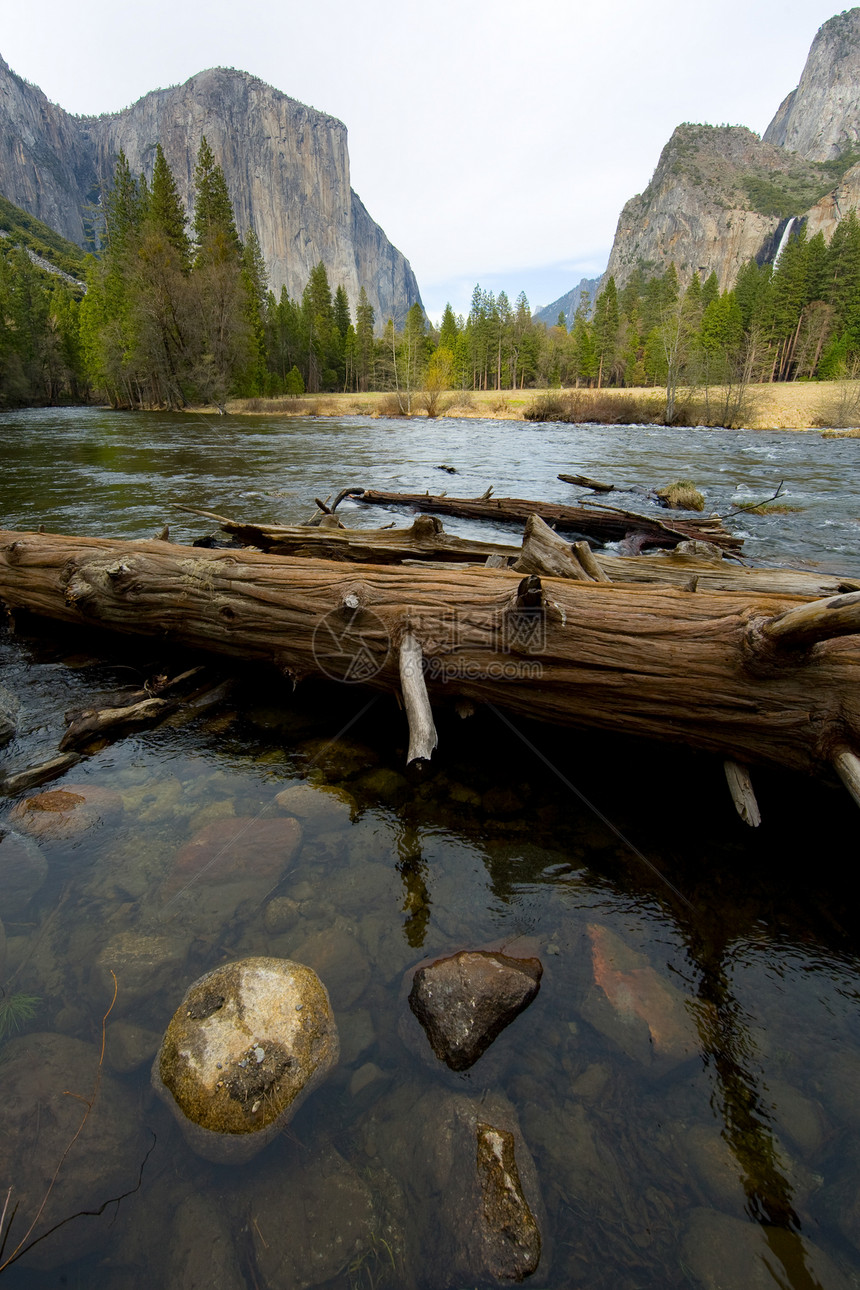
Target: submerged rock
(23, 869)
(147, 966)
(66, 812)
(201, 1254)
(246, 1046)
(724, 1253)
(236, 848)
(38, 1120)
(337, 955)
(631, 1004)
(128, 1047)
(465, 1001)
(318, 806)
(314, 1219)
(471, 1184)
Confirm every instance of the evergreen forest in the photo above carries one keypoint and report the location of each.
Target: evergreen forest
(173, 313)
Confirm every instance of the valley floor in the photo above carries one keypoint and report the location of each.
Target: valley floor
(786, 406)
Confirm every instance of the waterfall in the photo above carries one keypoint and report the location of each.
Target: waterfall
(786, 234)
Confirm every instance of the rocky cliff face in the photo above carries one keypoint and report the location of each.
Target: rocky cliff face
(821, 118)
(721, 196)
(286, 166)
(42, 166)
(718, 198)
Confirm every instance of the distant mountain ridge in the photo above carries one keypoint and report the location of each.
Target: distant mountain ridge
(568, 303)
(286, 166)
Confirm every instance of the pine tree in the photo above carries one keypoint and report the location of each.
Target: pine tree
(364, 349)
(606, 329)
(255, 279)
(322, 335)
(449, 331)
(164, 210)
(214, 225)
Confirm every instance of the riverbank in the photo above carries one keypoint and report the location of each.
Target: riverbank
(787, 406)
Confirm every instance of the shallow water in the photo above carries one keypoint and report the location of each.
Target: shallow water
(686, 1079)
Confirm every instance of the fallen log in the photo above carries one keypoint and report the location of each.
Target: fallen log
(607, 524)
(583, 481)
(107, 724)
(753, 679)
(33, 776)
(425, 539)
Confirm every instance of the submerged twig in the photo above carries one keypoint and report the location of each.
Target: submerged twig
(25, 1243)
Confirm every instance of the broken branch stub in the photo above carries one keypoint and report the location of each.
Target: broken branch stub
(422, 730)
(823, 620)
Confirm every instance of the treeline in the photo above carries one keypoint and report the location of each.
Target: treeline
(179, 312)
(40, 358)
(799, 319)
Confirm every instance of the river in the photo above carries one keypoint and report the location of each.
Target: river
(683, 1088)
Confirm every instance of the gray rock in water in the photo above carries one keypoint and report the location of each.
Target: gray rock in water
(245, 1047)
(38, 1120)
(465, 1001)
(201, 1254)
(23, 869)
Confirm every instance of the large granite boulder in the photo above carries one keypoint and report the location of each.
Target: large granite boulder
(245, 1047)
(465, 1001)
(38, 1120)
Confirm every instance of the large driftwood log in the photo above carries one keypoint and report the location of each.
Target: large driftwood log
(745, 677)
(606, 524)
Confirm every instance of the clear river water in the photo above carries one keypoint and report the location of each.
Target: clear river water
(684, 1090)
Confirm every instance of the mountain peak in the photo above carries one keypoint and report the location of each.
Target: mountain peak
(821, 118)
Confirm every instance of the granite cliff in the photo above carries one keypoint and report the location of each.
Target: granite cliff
(821, 118)
(721, 195)
(286, 166)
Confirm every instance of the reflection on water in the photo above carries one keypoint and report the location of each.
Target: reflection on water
(685, 1081)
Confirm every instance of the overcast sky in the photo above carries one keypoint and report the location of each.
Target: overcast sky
(494, 142)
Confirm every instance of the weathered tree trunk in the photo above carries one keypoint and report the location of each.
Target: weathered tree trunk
(764, 678)
(607, 524)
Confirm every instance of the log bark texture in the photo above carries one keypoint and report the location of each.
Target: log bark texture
(700, 670)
